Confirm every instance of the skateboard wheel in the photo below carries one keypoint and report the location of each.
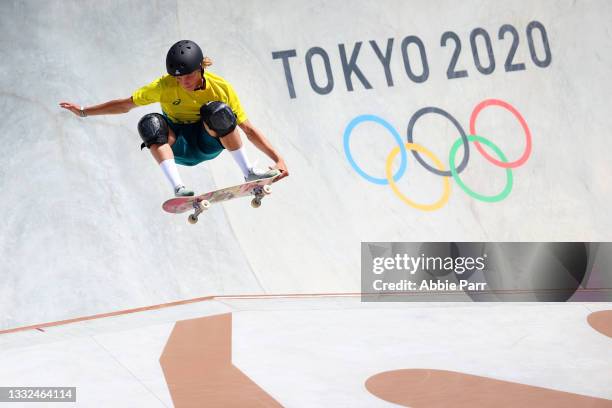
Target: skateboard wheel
(192, 219)
(267, 189)
(255, 203)
(205, 204)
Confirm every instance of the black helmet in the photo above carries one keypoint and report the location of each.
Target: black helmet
(184, 57)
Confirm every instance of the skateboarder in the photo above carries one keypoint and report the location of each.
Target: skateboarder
(200, 113)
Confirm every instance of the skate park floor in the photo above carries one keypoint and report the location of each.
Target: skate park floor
(322, 350)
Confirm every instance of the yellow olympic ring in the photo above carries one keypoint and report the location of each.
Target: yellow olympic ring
(424, 207)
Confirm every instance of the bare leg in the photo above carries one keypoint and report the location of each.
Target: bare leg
(233, 144)
(164, 152)
(231, 141)
(164, 156)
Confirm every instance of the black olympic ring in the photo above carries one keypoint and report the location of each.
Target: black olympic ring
(433, 109)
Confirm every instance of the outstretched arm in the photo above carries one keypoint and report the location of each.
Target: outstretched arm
(256, 137)
(111, 107)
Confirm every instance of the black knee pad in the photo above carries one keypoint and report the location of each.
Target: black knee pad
(153, 129)
(218, 117)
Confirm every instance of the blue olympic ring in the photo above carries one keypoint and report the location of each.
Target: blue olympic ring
(347, 150)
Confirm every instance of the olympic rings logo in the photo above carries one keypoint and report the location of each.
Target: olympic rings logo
(438, 168)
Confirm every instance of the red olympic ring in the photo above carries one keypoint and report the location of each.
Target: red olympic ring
(497, 102)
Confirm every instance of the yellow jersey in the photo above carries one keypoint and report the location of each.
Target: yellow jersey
(183, 106)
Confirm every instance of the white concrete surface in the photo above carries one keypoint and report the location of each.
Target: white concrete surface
(320, 351)
(82, 228)
(82, 231)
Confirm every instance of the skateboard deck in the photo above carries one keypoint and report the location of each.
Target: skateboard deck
(200, 203)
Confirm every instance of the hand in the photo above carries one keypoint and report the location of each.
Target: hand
(280, 165)
(76, 109)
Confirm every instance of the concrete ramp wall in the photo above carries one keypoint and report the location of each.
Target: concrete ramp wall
(83, 231)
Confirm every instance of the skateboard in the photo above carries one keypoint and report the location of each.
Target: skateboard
(258, 188)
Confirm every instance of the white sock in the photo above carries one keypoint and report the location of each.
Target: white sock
(171, 172)
(242, 160)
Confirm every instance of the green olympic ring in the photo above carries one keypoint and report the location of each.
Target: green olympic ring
(489, 199)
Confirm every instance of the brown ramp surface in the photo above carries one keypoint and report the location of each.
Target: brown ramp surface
(439, 388)
(601, 321)
(197, 364)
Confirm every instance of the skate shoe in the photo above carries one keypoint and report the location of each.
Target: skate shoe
(258, 174)
(181, 191)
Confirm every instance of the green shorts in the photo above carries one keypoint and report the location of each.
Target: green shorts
(193, 144)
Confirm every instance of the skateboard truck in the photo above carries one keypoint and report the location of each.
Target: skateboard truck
(260, 193)
(200, 207)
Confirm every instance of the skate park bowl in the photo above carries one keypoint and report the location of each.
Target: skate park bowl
(400, 122)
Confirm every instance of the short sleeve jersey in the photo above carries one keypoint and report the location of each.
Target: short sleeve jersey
(183, 106)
